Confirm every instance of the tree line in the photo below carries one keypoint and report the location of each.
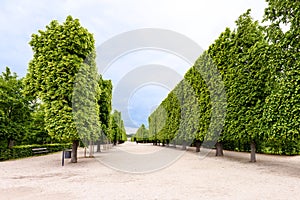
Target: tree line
(259, 69)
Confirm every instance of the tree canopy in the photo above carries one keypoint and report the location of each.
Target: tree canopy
(64, 59)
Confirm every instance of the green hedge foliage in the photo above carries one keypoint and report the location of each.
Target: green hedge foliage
(23, 151)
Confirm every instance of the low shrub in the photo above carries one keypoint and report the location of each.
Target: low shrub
(23, 151)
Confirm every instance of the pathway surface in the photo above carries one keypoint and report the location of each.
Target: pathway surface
(186, 177)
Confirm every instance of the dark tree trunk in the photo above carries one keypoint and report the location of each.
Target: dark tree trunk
(219, 149)
(174, 143)
(11, 143)
(163, 143)
(253, 150)
(74, 151)
(197, 144)
(98, 146)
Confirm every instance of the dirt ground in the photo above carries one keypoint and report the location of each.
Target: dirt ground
(189, 177)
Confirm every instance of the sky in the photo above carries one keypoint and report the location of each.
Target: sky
(201, 21)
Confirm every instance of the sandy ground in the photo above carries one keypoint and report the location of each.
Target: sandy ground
(228, 177)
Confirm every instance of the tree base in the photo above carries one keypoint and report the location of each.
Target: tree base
(219, 149)
(253, 154)
(74, 151)
(198, 145)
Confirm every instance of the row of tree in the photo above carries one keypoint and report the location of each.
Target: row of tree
(62, 98)
(243, 92)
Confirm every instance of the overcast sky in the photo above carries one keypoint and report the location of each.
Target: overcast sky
(200, 20)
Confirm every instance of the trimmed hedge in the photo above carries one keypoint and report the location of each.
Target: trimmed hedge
(23, 151)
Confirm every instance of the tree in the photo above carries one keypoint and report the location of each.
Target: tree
(14, 108)
(241, 57)
(219, 52)
(142, 134)
(104, 102)
(118, 132)
(59, 53)
(282, 112)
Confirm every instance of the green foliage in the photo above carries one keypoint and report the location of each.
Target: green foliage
(142, 134)
(282, 113)
(186, 114)
(244, 74)
(104, 103)
(14, 109)
(23, 151)
(37, 133)
(118, 132)
(85, 107)
(261, 80)
(60, 52)
(164, 121)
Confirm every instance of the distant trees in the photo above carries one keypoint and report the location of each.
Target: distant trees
(142, 134)
(14, 109)
(118, 132)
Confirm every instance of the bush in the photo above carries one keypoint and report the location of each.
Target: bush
(23, 151)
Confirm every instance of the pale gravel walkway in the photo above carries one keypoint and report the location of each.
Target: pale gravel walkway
(230, 177)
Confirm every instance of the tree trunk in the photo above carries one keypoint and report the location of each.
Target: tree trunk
(253, 150)
(11, 143)
(98, 146)
(174, 143)
(91, 149)
(74, 151)
(198, 144)
(84, 152)
(183, 145)
(219, 149)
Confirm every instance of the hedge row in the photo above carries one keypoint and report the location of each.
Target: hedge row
(23, 151)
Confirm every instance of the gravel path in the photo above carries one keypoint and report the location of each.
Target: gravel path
(187, 177)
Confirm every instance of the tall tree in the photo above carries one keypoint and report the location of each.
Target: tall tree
(282, 112)
(59, 53)
(105, 107)
(142, 134)
(118, 132)
(244, 72)
(105, 103)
